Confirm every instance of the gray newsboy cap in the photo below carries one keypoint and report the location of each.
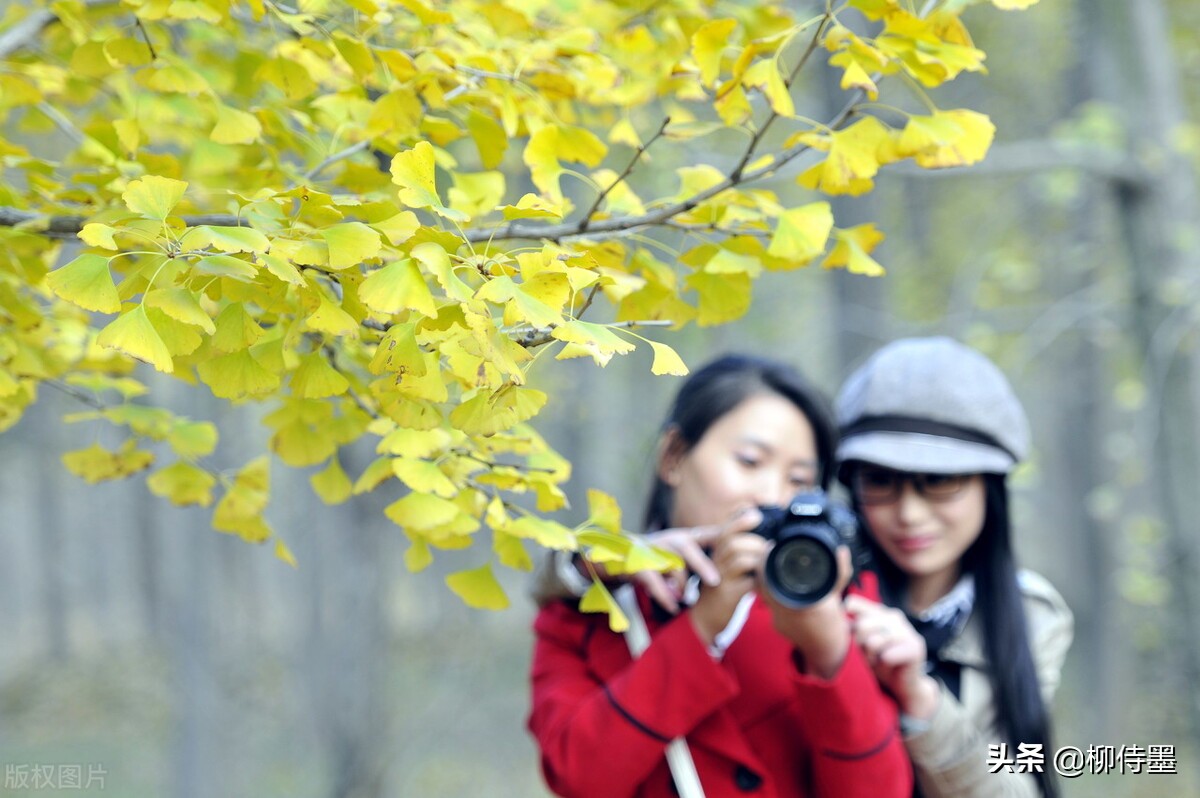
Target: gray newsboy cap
(931, 405)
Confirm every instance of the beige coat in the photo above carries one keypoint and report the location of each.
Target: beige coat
(950, 757)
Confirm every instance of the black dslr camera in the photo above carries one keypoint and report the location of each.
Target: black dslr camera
(802, 566)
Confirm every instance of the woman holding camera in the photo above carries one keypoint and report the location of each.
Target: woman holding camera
(970, 647)
(770, 701)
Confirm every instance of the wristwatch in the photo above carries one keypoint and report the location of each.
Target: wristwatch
(911, 727)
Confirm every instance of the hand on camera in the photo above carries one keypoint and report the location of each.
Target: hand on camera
(896, 652)
(820, 632)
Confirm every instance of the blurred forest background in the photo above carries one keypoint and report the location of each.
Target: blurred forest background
(188, 664)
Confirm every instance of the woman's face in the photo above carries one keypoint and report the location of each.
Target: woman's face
(927, 537)
(761, 453)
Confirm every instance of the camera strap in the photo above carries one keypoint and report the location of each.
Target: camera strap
(637, 637)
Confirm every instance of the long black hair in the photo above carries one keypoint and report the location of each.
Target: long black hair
(719, 387)
(1020, 712)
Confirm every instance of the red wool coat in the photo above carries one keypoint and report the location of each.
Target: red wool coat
(755, 725)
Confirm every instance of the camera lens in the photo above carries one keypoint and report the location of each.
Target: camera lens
(801, 570)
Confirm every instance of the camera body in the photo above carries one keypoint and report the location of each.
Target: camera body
(802, 567)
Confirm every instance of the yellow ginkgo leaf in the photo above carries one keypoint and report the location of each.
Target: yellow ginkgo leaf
(330, 319)
(853, 248)
(802, 233)
(181, 305)
(399, 228)
(133, 334)
(723, 297)
(237, 375)
(98, 235)
(510, 551)
(97, 464)
(531, 206)
(87, 282)
(489, 138)
(192, 438)
(424, 477)
(226, 266)
(708, 43)
(331, 483)
(226, 239)
(179, 338)
(284, 553)
(413, 171)
(317, 379)
(375, 475)
(350, 244)
(418, 556)
(153, 196)
(183, 484)
(398, 287)
(478, 588)
(969, 146)
(603, 511)
(667, 361)
(554, 143)
(855, 154)
(235, 127)
(598, 599)
(544, 532)
(235, 329)
(419, 511)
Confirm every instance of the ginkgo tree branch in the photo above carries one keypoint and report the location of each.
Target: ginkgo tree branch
(537, 336)
(773, 115)
(21, 35)
(587, 217)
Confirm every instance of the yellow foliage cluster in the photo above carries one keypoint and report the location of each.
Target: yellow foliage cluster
(377, 214)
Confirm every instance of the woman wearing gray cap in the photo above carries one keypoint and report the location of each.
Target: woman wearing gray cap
(973, 647)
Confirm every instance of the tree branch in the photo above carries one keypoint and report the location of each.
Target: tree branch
(22, 34)
(349, 152)
(537, 336)
(587, 217)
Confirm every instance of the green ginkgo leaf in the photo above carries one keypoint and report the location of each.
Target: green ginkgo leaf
(133, 334)
(154, 196)
(87, 282)
(478, 588)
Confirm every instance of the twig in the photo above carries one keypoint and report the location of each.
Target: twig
(537, 336)
(349, 152)
(146, 36)
(24, 32)
(587, 217)
(61, 122)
